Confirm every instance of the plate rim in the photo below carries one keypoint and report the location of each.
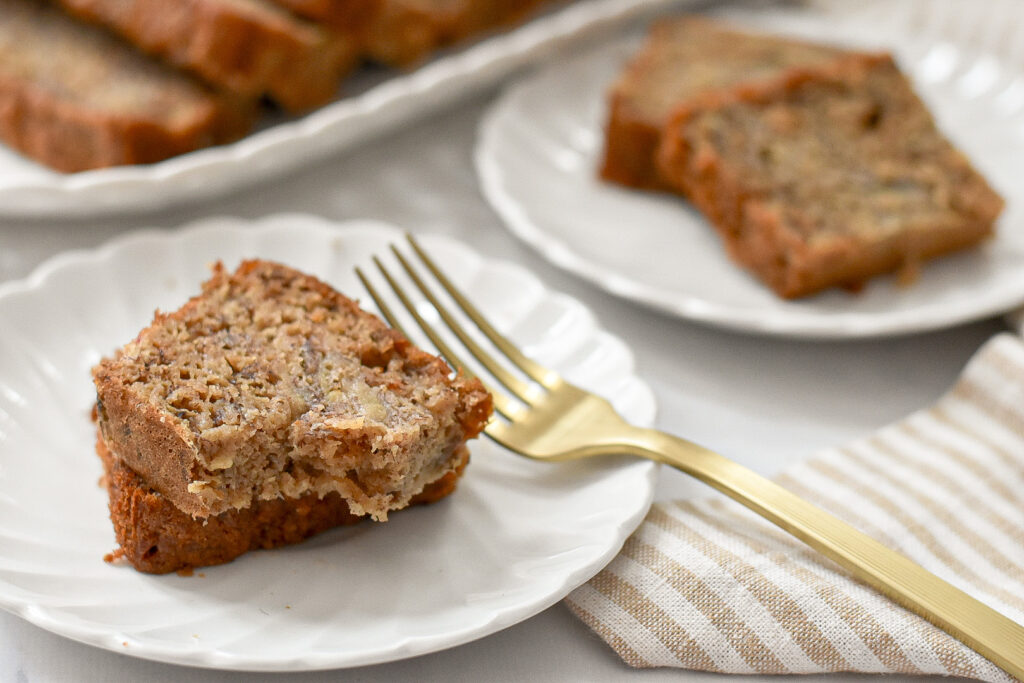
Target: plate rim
(802, 325)
(111, 638)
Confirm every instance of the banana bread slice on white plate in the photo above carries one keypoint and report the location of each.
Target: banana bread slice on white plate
(827, 178)
(271, 386)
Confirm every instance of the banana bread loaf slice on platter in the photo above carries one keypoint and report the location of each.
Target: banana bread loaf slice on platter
(827, 177)
(75, 98)
(266, 391)
(249, 47)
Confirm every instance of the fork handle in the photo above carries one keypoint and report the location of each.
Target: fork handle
(975, 624)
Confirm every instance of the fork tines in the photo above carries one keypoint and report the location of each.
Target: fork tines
(524, 390)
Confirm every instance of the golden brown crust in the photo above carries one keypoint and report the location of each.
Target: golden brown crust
(45, 115)
(159, 450)
(404, 32)
(790, 222)
(631, 144)
(247, 47)
(157, 538)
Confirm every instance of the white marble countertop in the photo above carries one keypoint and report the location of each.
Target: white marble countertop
(761, 401)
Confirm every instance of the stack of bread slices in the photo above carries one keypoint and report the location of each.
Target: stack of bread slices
(266, 409)
(818, 166)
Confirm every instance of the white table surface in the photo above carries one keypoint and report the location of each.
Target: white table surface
(761, 401)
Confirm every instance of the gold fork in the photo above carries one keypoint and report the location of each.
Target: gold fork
(550, 419)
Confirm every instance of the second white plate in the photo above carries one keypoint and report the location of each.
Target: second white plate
(540, 145)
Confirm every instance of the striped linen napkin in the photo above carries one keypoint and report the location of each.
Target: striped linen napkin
(708, 585)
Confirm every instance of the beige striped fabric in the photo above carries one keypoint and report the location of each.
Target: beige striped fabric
(709, 585)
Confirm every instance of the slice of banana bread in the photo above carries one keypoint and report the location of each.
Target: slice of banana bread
(74, 98)
(249, 47)
(827, 177)
(271, 385)
(682, 58)
(156, 537)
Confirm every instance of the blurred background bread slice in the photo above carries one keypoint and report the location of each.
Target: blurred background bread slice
(93, 83)
(249, 47)
(682, 58)
(827, 177)
(75, 98)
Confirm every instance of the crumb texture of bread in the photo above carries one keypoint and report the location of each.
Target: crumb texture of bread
(682, 58)
(827, 177)
(75, 98)
(248, 47)
(268, 385)
(156, 537)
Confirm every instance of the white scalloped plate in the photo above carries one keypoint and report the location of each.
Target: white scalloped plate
(540, 144)
(515, 538)
(375, 102)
